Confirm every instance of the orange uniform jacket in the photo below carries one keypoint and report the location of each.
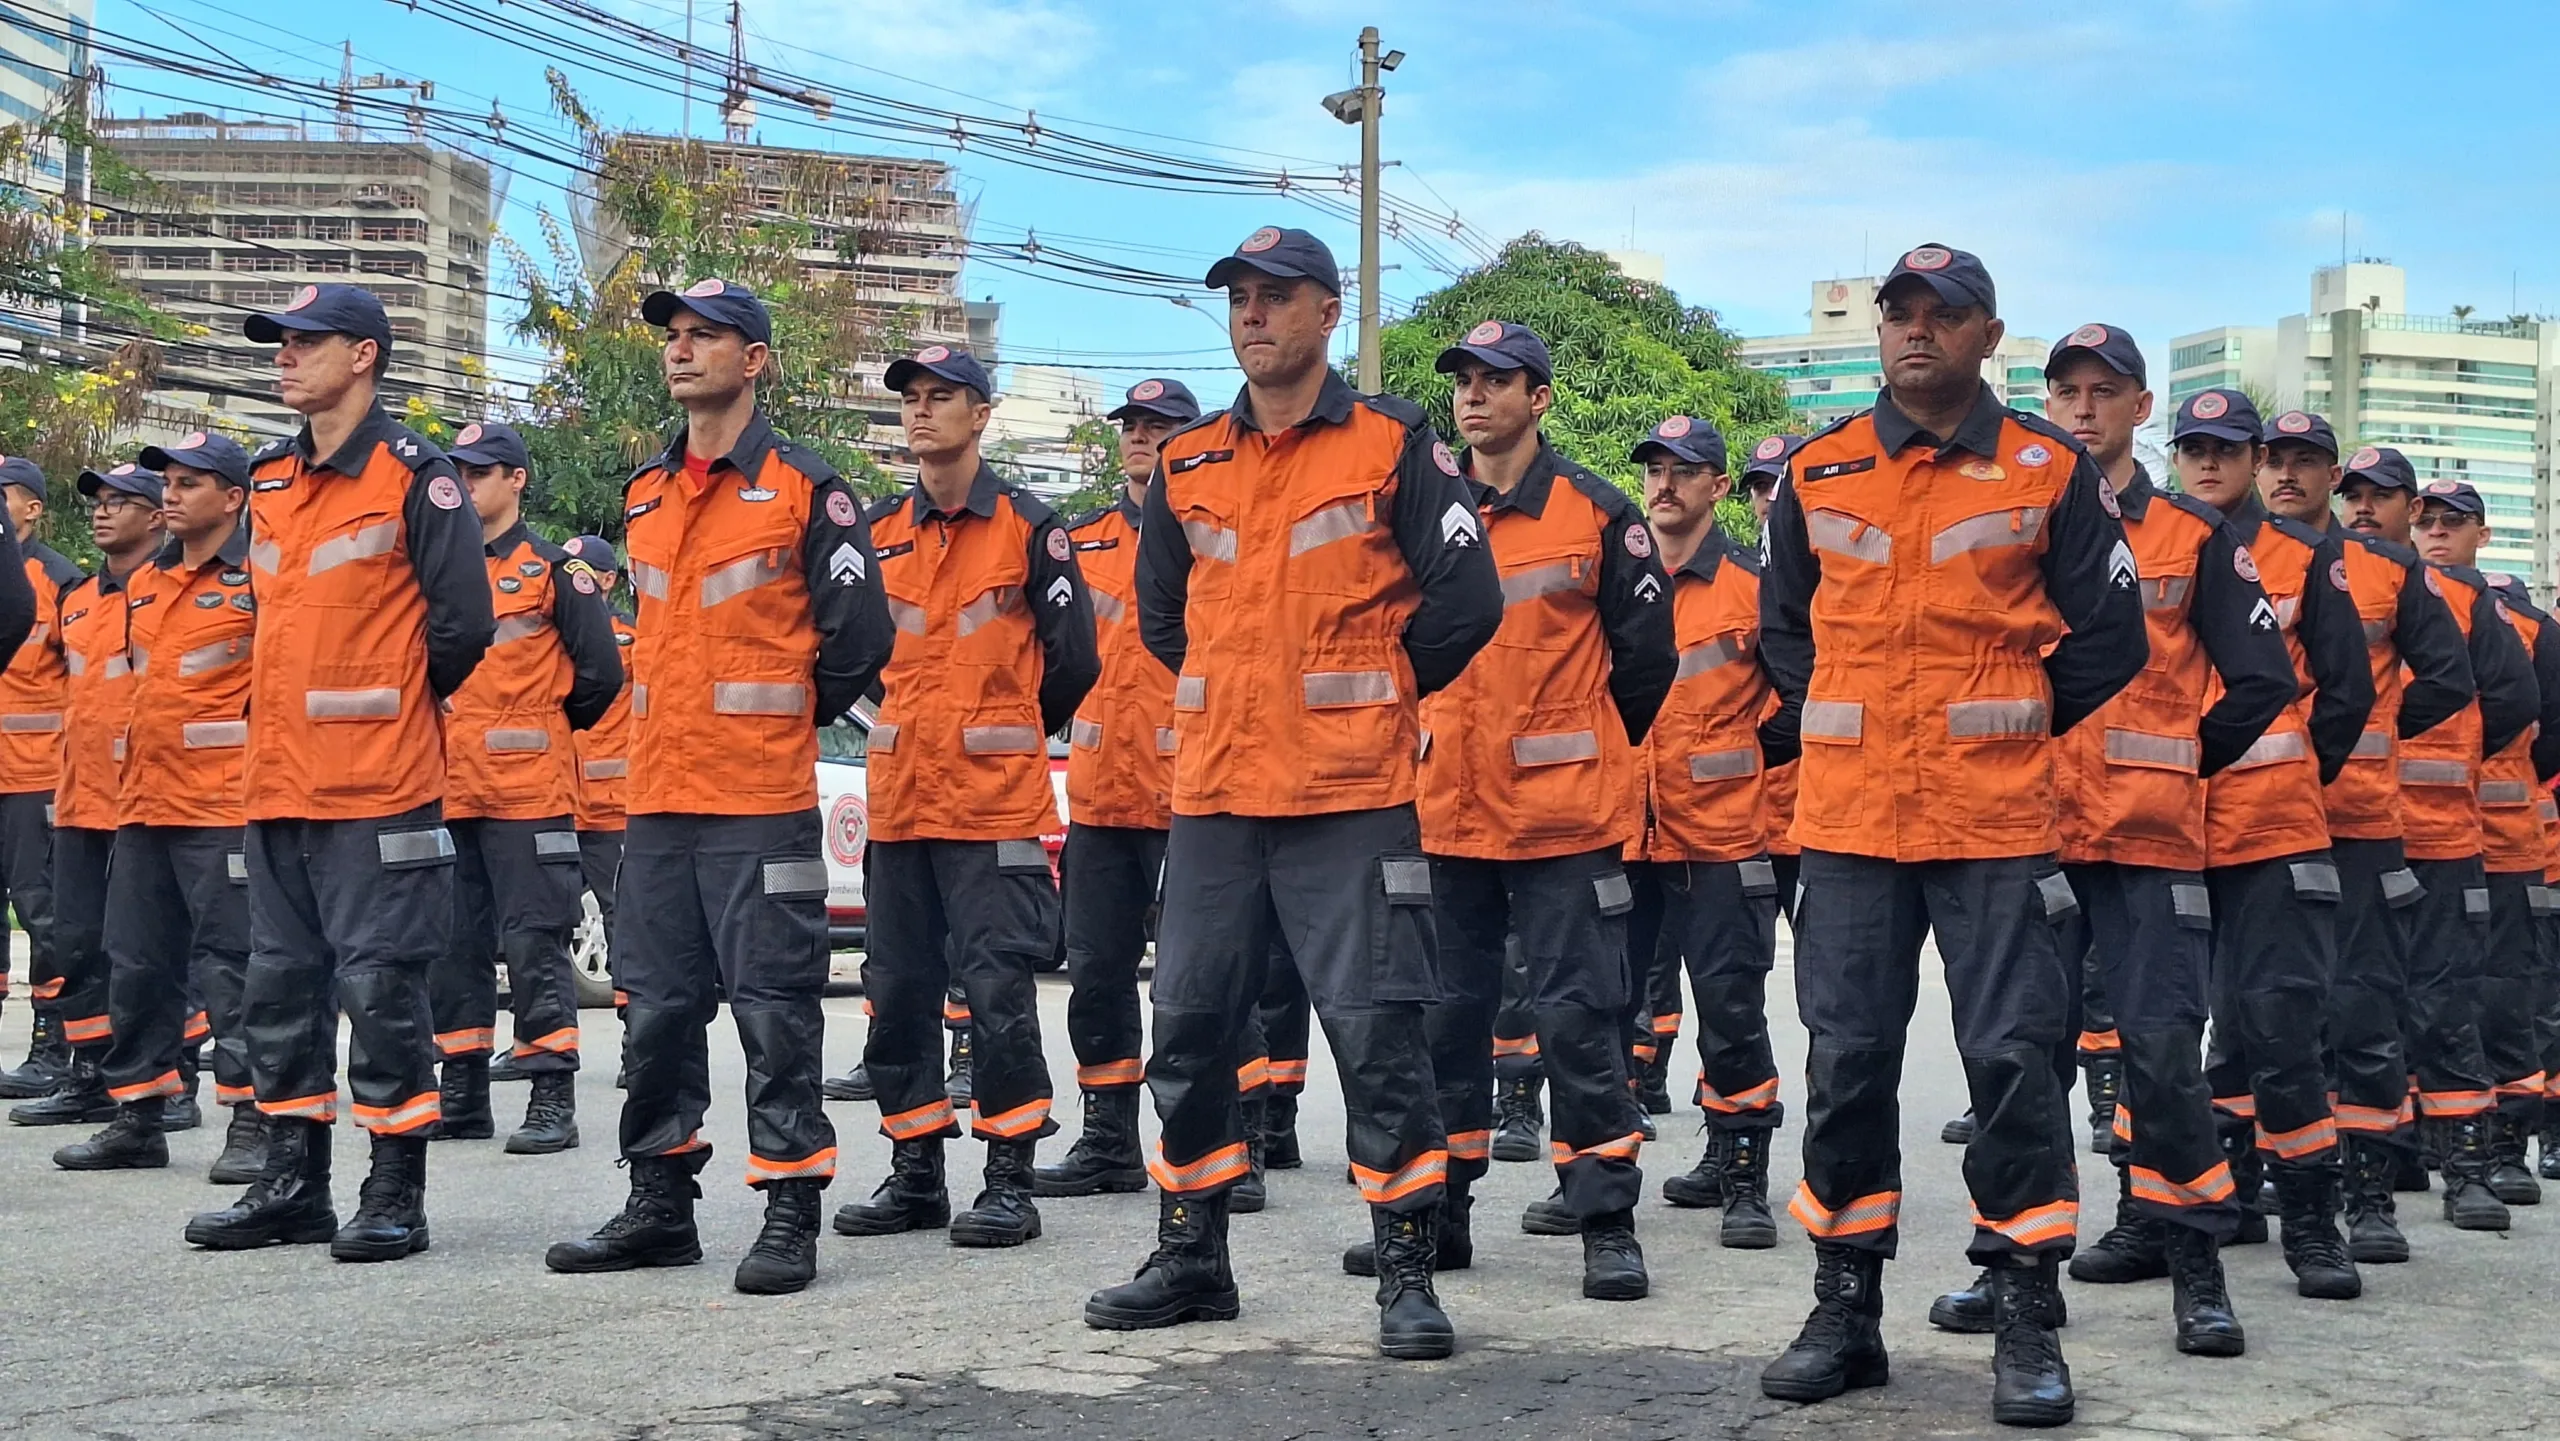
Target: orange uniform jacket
(1778, 796)
(2545, 646)
(1120, 757)
(995, 649)
(96, 637)
(2271, 802)
(2421, 677)
(2133, 777)
(604, 749)
(1530, 752)
(36, 685)
(1705, 785)
(372, 607)
(194, 633)
(760, 618)
(1308, 588)
(552, 668)
(2440, 767)
(2512, 796)
(1933, 613)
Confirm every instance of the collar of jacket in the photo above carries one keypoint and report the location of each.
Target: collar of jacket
(746, 457)
(508, 539)
(1333, 404)
(230, 554)
(981, 502)
(1710, 553)
(1978, 433)
(2138, 493)
(1529, 497)
(350, 458)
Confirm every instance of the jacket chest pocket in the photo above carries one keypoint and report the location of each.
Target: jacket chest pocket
(741, 582)
(652, 541)
(1332, 535)
(1856, 553)
(351, 563)
(522, 613)
(1984, 556)
(990, 617)
(1209, 526)
(1537, 589)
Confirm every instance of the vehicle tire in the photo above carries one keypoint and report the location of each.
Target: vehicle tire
(587, 955)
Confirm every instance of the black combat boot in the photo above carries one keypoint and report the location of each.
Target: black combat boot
(131, 1142)
(244, 1147)
(911, 1199)
(853, 1085)
(2373, 1222)
(1612, 1262)
(2510, 1179)
(1971, 1311)
(1411, 1325)
(1550, 1216)
(1105, 1158)
(2248, 1180)
(2104, 1076)
(2469, 1204)
(1653, 1079)
(505, 1069)
(550, 1117)
(1958, 1132)
(784, 1258)
(287, 1204)
(958, 1085)
(654, 1227)
(1248, 1195)
(465, 1102)
(2030, 1383)
(391, 1207)
(1701, 1188)
(1280, 1132)
(1456, 1235)
(2322, 1269)
(1520, 1123)
(2413, 1168)
(79, 1099)
(181, 1113)
(1748, 1226)
(48, 1061)
(1842, 1343)
(2132, 1250)
(2550, 1167)
(1186, 1278)
(2199, 1302)
(1003, 1214)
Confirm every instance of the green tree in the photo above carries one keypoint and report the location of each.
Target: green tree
(66, 403)
(600, 407)
(1627, 353)
(1096, 442)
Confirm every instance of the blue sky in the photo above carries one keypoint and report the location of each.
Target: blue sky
(2163, 166)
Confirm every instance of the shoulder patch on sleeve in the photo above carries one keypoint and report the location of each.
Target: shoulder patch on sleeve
(841, 508)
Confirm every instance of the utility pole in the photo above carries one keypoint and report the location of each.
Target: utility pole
(687, 130)
(1372, 371)
(78, 162)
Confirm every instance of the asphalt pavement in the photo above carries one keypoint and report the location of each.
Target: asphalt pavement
(117, 1329)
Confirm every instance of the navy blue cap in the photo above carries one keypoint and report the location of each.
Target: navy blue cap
(1170, 399)
(2226, 414)
(348, 310)
(957, 366)
(1502, 346)
(2458, 495)
(1957, 276)
(19, 471)
(1289, 254)
(2380, 465)
(595, 552)
(2109, 343)
(722, 302)
(488, 442)
(1771, 455)
(2303, 426)
(207, 450)
(130, 478)
(1696, 441)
